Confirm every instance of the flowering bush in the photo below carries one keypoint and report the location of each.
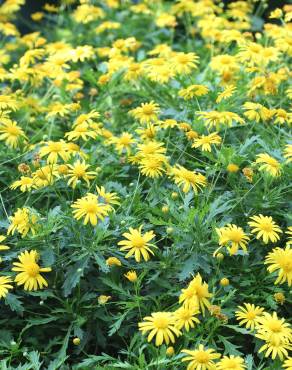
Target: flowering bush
(146, 164)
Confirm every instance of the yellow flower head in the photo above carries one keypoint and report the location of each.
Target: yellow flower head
(265, 228)
(268, 164)
(280, 260)
(5, 285)
(185, 317)
(205, 142)
(3, 247)
(161, 325)
(270, 328)
(146, 113)
(113, 261)
(29, 271)
(231, 363)
(233, 237)
(78, 171)
(248, 315)
(188, 179)
(137, 244)
(91, 209)
(201, 358)
(196, 294)
(103, 299)
(131, 276)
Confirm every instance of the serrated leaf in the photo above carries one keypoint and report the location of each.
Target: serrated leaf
(14, 303)
(230, 348)
(34, 358)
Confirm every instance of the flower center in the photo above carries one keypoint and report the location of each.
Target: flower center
(251, 315)
(275, 326)
(267, 226)
(202, 357)
(12, 130)
(79, 171)
(139, 242)
(148, 110)
(32, 269)
(235, 236)
(91, 208)
(55, 147)
(161, 323)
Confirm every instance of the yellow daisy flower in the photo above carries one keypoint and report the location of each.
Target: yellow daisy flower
(29, 271)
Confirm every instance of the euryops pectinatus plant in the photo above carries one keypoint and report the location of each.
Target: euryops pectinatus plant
(145, 170)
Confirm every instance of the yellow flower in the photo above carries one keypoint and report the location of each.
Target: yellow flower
(288, 364)
(280, 260)
(131, 276)
(205, 141)
(11, 133)
(3, 247)
(184, 63)
(113, 261)
(288, 153)
(8, 103)
(225, 94)
(123, 142)
(76, 341)
(22, 221)
(201, 358)
(232, 168)
(185, 317)
(268, 164)
(231, 363)
(91, 209)
(146, 113)
(29, 271)
(161, 326)
(45, 176)
(107, 197)
(152, 165)
(224, 63)
(277, 13)
(276, 348)
(78, 171)
(196, 294)
(248, 315)
(25, 184)
(170, 351)
(216, 119)
(279, 298)
(256, 112)
(54, 150)
(224, 282)
(5, 285)
(265, 227)
(103, 299)
(165, 20)
(138, 244)
(83, 131)
(233, 237)
(188, 179)
(270, 328)
(192, 91)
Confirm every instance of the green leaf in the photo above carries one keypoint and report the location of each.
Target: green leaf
(34, 358)
(238, 329)
(230, 348)
(74, 274)
(14, 303)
